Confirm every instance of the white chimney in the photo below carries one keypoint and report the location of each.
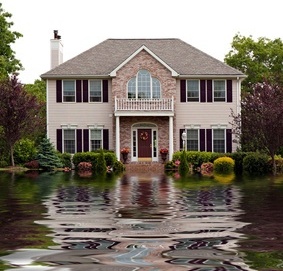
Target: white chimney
(56, 48)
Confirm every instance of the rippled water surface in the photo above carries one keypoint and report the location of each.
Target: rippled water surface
(62, 222)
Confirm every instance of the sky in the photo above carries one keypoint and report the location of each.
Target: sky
(208, 25)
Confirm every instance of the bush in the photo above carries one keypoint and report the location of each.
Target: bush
(100, 166)
(206, 169)
(118, 166)
(256, 164)
(32, 164)
(84, 166)
(24, 151)
(66, 159)
(224, 165)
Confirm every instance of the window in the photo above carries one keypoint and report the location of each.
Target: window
(192, 90)
(192, 139)
(219, 91)
(95, 139)
(70, 141)
(143, 86)
(219, 140)
(69, 93)
(95, 90)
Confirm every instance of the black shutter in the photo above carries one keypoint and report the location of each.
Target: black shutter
(229, 91)
(209, 140)
(202, 91)
(183, 91)
(59, 91)
(59, 135)
(181, 140)
(86, 140)
(78, 91)
(202, 139)
(79, 140)
(85, 91)
(105, 139)
(209, 91)
(105, 91)
(228, 140)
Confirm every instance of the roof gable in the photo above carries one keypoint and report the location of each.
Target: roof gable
(143, 47)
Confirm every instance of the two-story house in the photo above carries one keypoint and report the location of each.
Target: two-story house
(143, 94)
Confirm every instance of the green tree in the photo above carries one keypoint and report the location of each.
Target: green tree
(8, 62)
(38, 89)
(47, 156)
(260, 60)
(20, 113)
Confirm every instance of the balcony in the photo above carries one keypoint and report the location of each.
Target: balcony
(144, 107)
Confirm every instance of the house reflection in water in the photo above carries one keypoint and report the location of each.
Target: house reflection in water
(146, 222)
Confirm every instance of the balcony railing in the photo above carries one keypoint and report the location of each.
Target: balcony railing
(162, 104)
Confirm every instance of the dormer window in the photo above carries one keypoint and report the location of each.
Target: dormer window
(143, 86)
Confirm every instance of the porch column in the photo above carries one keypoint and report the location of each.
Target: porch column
(118, 138)
(171, 148)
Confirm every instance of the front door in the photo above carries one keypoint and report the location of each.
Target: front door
(144, 143)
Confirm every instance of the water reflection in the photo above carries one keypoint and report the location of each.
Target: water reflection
(146, 222)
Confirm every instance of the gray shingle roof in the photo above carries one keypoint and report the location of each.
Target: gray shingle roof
(105, 57)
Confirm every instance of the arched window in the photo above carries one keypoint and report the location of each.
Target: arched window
(143, 86)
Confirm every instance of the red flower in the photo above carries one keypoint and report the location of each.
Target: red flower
(163, 150)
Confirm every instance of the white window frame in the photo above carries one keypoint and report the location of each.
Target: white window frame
(135, 83)
(90, 139)
(213, 138)
(75, 140)
(198, 139)
(65, 97)
(222, 98)
(192, 99)
(89, 91)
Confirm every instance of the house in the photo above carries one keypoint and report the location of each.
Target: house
(144, 94)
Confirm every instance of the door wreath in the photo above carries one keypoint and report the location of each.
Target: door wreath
(144, 136)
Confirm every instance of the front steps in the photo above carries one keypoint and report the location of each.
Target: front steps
(144, 167)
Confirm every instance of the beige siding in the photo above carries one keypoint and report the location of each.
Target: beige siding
(204, 114)
(80, 114)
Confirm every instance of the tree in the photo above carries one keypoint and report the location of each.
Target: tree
(20, 113)
(38, 89)
(258, 59)
(260, 121)
(47, 156)
(8, 62)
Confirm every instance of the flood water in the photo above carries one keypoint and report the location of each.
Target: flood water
(150, 222)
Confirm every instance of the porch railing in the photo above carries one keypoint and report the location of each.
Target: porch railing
(162, 104)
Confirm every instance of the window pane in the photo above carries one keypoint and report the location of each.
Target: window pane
(192, 140)
(193, 90)
(132, 88)
(219, 140)
(69, 91)
(95, 90)
(155, 88)
(219, 90)
(96, 139)
(69, 141)
(144, 84)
